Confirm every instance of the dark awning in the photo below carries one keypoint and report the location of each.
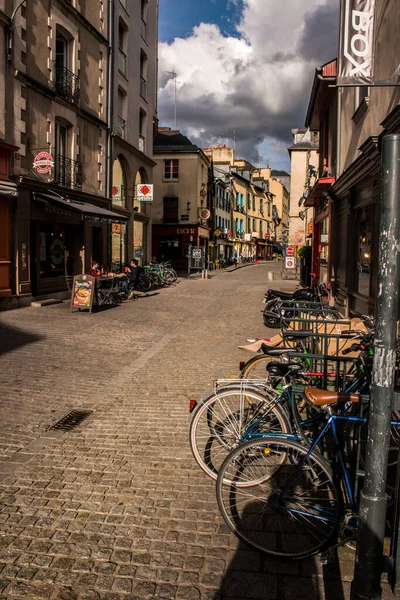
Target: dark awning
(88, 211)
(8, 189)
(278, 246)
(322, 185)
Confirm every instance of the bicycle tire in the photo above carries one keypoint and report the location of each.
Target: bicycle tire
(274, 516)
(144, 283)
(170, 276)
(221, 419)
(256, 367)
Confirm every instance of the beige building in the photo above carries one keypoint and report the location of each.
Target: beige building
(182, 198)
(61, 135)
(303, 162)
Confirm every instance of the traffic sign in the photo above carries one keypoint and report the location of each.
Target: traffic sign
(289, 262)
(289, 251)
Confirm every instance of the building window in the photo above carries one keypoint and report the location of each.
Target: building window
(248, 225)
(248, 201)
(254, 225)
(171, 169)
(261, 227)
(143, 75)
(122, 47)
(66, 83)
(121, 113)
(170, 209)
(360, 94)
(269, 209)
(142, 130)
(261, 206)
(67, 172)
(254, 203)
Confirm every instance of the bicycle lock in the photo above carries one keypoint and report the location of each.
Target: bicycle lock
(369, 564)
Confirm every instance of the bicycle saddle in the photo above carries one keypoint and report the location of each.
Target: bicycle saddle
(283, 369)
(323, 397)
(297, 334)
(272, 351)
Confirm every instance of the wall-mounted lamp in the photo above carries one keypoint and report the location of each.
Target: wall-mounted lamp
(188, 207)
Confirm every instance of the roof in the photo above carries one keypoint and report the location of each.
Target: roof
(305, 145)
(275, 173)
(172, 141)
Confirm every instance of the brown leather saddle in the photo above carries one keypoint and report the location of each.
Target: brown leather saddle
(319, 397)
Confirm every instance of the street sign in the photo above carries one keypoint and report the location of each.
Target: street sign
(217, 232)
(197, 257)
(290, 262)
(144, 192)
(289, 251)
(266, 236)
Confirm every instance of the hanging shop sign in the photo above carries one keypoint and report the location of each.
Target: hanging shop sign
(144, 192)
(217, 232)
(204, 213)
(356, 45)
(43, 162)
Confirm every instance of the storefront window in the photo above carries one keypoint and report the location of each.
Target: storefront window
(117, 246)
(139, 241)
(52, 255)
(364, 220)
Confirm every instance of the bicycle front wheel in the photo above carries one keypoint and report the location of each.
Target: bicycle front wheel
(220, 422)
(279, 502)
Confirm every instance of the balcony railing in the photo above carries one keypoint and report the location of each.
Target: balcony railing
(121, 127)
(143, 87)
(121, 61)
(142, 143)
(68, 172)
(143, 29)
(66, 84)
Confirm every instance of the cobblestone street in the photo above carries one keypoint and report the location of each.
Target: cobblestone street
(117, 509)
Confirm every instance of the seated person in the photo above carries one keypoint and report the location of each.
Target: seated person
(95, 271)
(132, 272)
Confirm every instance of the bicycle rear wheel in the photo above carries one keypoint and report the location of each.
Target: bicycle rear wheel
(218, 424)
(144, 283)
(278, 502)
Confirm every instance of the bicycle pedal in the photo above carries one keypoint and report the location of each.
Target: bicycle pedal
(328, 556)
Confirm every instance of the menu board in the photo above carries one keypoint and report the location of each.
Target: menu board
(83, 293)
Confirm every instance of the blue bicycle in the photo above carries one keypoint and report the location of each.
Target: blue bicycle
(291, 500)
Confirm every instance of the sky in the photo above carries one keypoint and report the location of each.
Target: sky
(244, 70)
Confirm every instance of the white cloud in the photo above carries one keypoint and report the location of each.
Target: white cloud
(257, 83)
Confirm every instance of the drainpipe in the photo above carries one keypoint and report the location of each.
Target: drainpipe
(110, 116)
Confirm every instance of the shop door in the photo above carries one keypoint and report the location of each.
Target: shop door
(97, 246)
(34, 240)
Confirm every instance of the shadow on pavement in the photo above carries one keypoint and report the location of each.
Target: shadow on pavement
(12, 338)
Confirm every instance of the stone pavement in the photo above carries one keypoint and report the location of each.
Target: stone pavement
(117, 509)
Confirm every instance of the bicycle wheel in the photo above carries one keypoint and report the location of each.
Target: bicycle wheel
(287, 508)
(256, 367)
(144, 283)
(170, 276)
(219, 422)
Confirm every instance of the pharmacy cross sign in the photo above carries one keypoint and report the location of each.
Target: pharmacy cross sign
(144, 192)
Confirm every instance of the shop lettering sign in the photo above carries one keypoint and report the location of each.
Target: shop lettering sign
(185, 231)
(57, 210)
(83, 293)
(356, 49)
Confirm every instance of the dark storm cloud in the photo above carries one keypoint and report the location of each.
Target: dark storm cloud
(319, 42)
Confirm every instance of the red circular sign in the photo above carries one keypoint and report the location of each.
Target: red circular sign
(266, 236)
(289, 251)
(43, 162)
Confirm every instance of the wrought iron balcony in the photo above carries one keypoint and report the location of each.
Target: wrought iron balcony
(143, 87)
(66, 84)
(68, 172)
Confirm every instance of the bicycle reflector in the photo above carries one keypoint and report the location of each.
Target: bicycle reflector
(192, 405)
(267, 451)
(241, 365)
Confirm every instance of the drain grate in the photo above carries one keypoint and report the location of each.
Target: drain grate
(72, 420)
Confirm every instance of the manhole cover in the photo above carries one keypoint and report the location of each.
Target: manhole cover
(72, 420)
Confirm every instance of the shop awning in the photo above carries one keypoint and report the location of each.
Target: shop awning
(8, 189)
(322, 185)
(88, 211)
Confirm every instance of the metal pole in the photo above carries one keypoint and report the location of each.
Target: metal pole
(369, 556)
